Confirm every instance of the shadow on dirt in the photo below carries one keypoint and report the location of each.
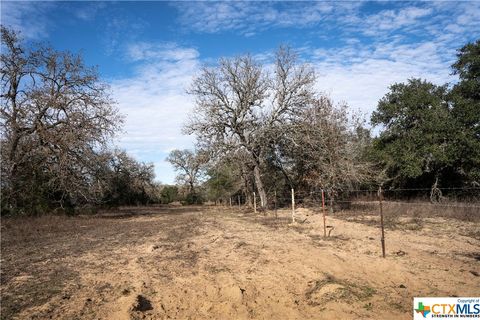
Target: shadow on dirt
(130, 212)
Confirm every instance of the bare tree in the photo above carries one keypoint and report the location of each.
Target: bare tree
(191, 166)
(323, 147)
(238, 101)
(56, 115)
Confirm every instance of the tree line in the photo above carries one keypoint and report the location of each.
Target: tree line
(431, 133)
(259, 128)
(265, 129)
(57, 122)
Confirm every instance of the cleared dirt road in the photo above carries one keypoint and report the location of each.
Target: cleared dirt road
(204, 263)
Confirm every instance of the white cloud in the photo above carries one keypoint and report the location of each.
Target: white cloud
(155, 102)
(18, 16)
(160, 52)
(90, 11)
(394, 19)
(362, 79)
(251, 17)
(333, 20)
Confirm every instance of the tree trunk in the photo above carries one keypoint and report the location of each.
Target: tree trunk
(192, 187)
(259, 185)
(248, 199)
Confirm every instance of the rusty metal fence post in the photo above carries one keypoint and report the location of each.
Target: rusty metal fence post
(380, 198)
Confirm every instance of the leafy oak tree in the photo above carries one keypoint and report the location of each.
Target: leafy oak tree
(431, 134)
(465, 97)
(416, 144)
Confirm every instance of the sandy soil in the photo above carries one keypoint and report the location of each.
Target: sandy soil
(204, 263)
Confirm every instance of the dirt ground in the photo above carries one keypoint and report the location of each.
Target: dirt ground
(204, 263)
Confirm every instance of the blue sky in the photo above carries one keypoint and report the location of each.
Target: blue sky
(149, 51)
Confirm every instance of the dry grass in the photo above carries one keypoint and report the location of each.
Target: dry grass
(330, 288)
(452, 210)
(39, 245)
(205, 262)
(411, 215)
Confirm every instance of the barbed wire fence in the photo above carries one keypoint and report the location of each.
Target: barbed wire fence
(387, 205)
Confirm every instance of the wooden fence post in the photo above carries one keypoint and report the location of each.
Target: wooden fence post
(254, 203)
(293, 205)
(323, 209)
(380, 196)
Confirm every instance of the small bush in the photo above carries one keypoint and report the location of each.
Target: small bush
(193, 198)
